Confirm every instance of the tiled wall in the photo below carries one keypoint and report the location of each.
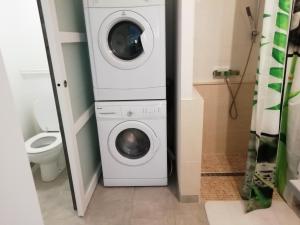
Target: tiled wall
(223, 135)
(189, 107)
(223, 39)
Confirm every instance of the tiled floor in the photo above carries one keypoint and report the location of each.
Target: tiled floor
(55, 198)
(118, 206)
(224, 188)
(221, 163)
(142, 206)
(220, 187)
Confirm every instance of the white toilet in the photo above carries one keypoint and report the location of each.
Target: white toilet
(46, 148)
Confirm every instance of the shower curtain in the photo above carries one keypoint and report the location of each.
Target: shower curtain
(288, 163)
(267, 104)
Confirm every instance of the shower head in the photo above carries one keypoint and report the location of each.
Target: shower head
(253, 27)
(248, 11)
(250, 17)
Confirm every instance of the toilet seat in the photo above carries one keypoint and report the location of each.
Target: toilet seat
(43, 138)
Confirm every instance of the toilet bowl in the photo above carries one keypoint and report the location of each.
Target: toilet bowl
(45, 148)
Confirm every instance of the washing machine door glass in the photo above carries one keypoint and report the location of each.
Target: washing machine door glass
(124, 40)
(133, 143)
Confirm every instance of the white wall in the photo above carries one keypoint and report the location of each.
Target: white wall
(22, 46)
(19, 203)
(185, 47)
(222, 37)
(189, 107)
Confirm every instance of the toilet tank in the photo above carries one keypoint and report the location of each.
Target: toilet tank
(45, 113)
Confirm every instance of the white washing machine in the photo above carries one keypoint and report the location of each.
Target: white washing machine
(133, 142)
(127, 48)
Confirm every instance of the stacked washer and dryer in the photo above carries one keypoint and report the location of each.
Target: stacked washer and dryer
(128, 59)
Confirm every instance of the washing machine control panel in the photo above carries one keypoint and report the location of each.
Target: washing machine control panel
(131, 112)
(137, 112)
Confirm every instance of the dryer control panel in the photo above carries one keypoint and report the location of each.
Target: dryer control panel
(122, 3)
(131, 111)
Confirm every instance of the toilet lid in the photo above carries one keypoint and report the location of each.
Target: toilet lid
(45, 113)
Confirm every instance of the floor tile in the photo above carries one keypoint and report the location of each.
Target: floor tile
(222, 163)
(118, 206)
(190, 214)
(187, 220)
(223, 188)
(55, 199)
(152, 222)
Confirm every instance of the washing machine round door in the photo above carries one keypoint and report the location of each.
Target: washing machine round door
(132, 143)
(126, 40)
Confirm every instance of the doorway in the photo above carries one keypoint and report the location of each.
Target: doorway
(25, 60)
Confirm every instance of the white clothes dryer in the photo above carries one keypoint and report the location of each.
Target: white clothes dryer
(133, 142)
(127, 48)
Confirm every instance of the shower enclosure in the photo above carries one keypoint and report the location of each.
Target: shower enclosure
(232, 45)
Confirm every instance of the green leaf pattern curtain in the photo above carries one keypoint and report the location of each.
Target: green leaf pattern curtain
(260, 176)
(288, 160)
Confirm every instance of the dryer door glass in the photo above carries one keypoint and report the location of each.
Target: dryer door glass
(133, 143)
(124, 40)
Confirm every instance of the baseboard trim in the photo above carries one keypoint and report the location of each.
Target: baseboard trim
(188, 198)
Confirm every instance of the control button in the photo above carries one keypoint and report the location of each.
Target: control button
(151, 110)
(129, 113)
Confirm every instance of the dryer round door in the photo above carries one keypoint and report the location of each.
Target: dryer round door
(132, 143)
(125, 39)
